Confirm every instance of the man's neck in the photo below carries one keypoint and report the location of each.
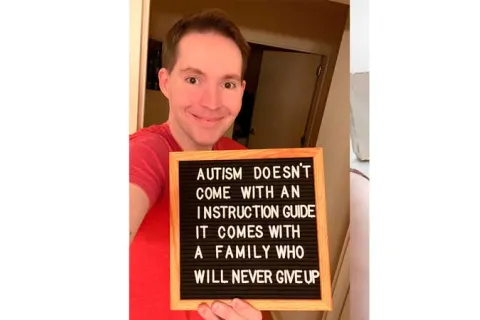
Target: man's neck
(184, 141)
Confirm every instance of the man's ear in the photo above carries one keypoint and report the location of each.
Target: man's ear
(163, 79)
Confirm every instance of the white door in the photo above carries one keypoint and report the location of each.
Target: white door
(284, 95)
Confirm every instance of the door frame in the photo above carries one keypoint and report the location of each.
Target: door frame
(317, 106)
(139, 25)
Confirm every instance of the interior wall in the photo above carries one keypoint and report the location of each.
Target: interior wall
(334, 138)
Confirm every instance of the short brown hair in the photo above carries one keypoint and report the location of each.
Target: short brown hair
(211, 20)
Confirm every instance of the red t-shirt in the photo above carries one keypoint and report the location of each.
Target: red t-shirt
(150, 250)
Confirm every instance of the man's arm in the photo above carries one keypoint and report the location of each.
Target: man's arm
(148, 157)
(139, 205)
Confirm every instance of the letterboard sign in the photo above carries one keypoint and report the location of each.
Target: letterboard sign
(249, 224)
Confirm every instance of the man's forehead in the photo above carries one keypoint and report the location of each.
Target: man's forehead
(209, 53)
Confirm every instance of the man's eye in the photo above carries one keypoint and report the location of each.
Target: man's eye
(192, 80)
(230, 85)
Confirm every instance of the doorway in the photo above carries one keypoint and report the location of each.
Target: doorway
(280, 87)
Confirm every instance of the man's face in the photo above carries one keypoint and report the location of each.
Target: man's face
(204, 88)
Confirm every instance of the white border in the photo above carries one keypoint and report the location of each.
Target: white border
(424, 61)
(64, 159)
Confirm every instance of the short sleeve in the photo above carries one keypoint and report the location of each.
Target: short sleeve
(148, 155)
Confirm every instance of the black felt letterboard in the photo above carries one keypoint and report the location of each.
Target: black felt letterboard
(248, 229)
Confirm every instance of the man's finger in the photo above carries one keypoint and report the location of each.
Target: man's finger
(206, 313)
(225, 311)
(245, 310)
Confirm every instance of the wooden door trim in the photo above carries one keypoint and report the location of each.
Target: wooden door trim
(139, 23)
(319, 100)
(142, 82)
(341, 282)
(317, 106)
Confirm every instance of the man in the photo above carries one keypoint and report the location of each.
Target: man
(204, 60)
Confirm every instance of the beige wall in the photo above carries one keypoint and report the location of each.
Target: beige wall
(334, 138)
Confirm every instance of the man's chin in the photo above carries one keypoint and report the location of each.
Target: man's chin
(208, 139)
(207, 143)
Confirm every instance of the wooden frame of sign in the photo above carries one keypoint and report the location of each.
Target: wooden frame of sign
(297, 277)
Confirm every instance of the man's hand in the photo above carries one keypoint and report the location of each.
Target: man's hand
(237, 310)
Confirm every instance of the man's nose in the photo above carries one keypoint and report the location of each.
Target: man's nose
(211, 97)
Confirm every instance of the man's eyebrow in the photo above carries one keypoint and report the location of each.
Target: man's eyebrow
(192, 70)
(232, 76)
(229, 76)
